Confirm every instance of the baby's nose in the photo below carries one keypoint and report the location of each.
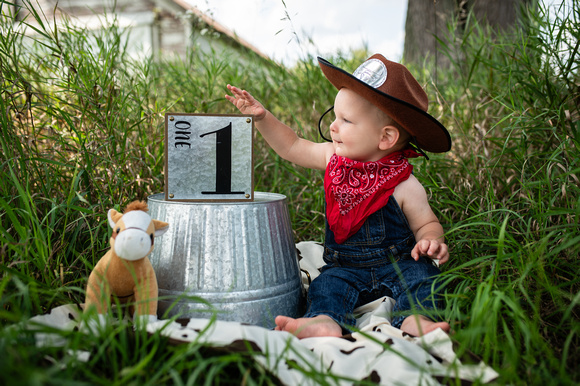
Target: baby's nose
(333, 126)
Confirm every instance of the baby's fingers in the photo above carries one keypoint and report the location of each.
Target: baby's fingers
(236, 92)
(443, 255)
(234, 89)
(420, 249)
(230, 98)
(434, 248)
(431, 248)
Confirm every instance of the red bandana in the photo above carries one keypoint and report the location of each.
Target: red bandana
(355, 190)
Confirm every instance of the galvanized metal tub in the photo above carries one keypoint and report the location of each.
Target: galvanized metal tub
(240, 257)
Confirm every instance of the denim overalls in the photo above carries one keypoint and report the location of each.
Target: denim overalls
(374, 262)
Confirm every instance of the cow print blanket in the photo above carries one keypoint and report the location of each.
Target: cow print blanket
(377, 352)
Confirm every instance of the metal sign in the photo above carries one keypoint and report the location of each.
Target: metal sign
(209, 157)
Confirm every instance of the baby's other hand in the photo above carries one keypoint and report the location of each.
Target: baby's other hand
(246, 103)
(433, 249)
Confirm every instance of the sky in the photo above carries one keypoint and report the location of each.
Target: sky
(282, 29)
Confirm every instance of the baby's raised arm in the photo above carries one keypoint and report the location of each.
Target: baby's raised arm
(279, 136)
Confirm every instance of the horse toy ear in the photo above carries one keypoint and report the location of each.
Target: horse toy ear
(160, 227)
(113, 217)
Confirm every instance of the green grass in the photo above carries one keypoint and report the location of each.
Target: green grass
(82, 125)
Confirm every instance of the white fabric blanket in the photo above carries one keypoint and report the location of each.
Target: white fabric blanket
(378, 352)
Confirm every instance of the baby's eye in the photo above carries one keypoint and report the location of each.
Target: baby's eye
(346, 120)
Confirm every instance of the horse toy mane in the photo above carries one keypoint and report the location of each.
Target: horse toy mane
(125, 270)
(137, 205)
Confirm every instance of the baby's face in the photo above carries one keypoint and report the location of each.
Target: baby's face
(357, 130)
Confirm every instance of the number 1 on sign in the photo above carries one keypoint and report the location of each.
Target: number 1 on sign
(223, 154)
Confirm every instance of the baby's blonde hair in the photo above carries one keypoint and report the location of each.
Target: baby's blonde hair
(404, 136)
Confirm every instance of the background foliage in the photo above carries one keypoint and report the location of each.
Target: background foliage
(82, 132)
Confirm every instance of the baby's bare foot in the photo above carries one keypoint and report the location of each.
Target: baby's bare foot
(418, 325)
(320, 325)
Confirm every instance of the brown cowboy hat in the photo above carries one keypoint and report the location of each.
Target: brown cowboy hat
(392, 88)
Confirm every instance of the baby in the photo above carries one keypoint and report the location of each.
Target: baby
(381, 234)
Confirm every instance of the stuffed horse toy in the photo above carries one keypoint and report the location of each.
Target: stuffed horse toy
(125, 271)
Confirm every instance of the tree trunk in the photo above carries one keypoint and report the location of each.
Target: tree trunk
(426, 20)
(430, 23)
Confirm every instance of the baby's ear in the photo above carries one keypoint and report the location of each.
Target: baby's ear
(389, 137)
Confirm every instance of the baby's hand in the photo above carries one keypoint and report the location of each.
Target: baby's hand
(433, 249)
(246, 103)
